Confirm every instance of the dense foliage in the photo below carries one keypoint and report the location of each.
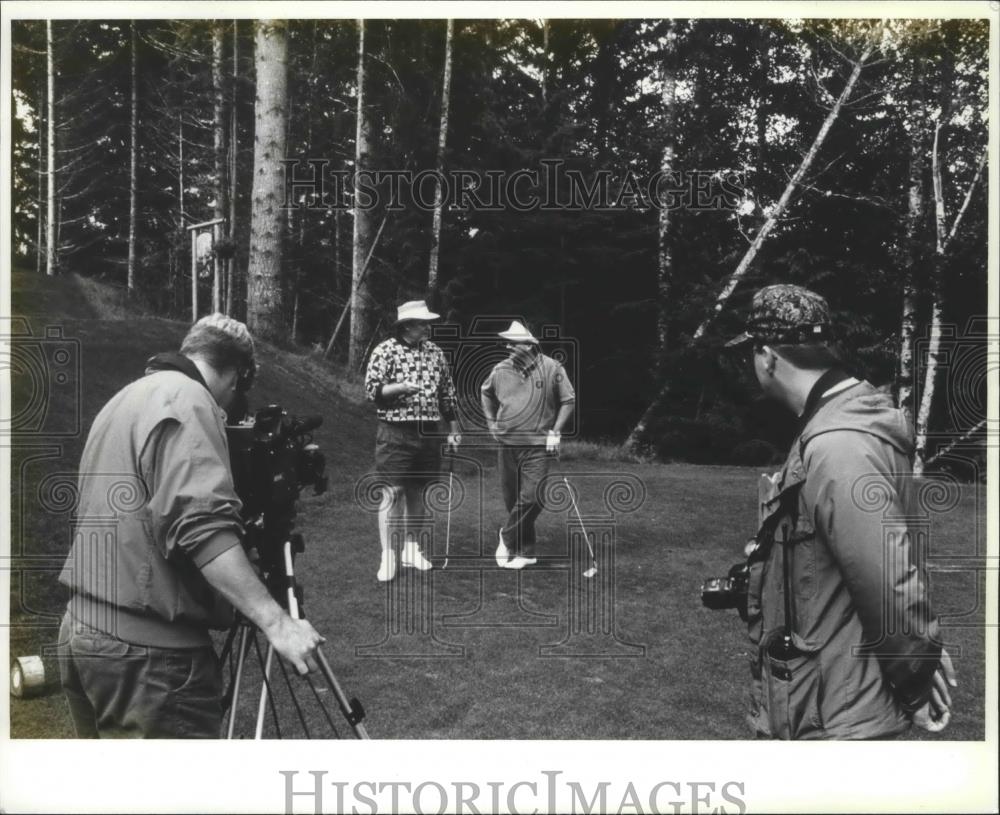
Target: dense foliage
(750, 98)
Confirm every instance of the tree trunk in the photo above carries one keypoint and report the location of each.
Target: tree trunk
(934, 342)
(943, 238)
(664, 272)
(233, 145)
(362, 312)
(181, 236)
(39, 208)
(912, 251)
(639, 431)
(50, 153)
(264, 312)
(786, 196)
(545, 64)
(218, 155)
(432, 273)
(133, 148)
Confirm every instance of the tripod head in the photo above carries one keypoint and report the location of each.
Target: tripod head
(273, 458)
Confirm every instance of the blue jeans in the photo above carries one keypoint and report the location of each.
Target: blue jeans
(119, 690)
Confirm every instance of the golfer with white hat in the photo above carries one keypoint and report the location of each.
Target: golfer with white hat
(527, 400)
(409, 381)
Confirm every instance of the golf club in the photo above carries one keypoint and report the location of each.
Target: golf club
(593, 560)
(447, 528)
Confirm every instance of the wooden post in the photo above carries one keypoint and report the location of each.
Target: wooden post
(194, 275)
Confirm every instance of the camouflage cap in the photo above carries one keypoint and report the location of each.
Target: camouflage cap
(786, 315)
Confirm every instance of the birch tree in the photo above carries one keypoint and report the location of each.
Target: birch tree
(50, 155)
(943, 237)
(432, 272)
(361, 300)
(668, 95)
(264, 296)
(133, 149)
(639, 431)
(914, 228)
(779, 209)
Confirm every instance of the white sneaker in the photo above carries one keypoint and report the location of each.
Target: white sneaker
(387, 568)
(413, 558)
(503, 553)
(519, 562)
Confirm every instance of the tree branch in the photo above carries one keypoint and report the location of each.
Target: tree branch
(944, 451)
(965, 203)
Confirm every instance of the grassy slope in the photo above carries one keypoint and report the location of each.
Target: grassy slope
(690, 682)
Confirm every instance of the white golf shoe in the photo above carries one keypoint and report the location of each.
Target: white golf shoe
(519, 562)
(414, 559)
(387, 568)
(503, 553)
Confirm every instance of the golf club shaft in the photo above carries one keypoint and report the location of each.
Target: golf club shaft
(447, 529)
(576, 509)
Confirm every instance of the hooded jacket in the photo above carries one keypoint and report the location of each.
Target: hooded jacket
(155, 503)
(865, 640)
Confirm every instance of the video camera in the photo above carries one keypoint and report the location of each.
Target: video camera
(273, 458)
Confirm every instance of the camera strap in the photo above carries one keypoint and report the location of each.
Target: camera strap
(766, 534)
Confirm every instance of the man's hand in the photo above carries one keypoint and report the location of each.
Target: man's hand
(295, 641)
(400, 389)
(552, 441)
(494, 428)
(231, 574)
(935, 715)
(454, 439)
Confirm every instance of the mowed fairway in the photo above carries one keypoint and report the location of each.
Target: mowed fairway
(467, 651)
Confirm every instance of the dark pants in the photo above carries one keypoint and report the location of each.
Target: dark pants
(119, 690)
(522, 469)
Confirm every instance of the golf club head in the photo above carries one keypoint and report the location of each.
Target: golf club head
(590, 572)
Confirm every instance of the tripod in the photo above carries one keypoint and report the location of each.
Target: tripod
(282, 584)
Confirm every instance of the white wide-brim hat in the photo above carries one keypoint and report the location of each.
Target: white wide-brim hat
(414, 310)
(518, 333)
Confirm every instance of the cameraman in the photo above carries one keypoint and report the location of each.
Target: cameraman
(156, 558)
(846, 643)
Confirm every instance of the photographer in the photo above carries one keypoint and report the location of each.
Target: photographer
(156, 558)
(846, 643)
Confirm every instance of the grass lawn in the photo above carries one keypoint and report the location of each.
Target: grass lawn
(469, 651)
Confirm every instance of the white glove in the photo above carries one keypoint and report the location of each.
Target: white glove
(454, 439)
(552, 442)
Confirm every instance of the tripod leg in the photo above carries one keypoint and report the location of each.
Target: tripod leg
(258, 733)
(346, 706)
(236, 682)
(352, 710)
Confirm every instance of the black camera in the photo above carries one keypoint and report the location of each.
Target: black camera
(273, 458)
(728, 592)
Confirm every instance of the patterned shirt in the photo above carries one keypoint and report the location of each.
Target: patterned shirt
(425, 364)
